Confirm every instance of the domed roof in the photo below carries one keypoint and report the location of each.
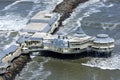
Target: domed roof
(103, 38)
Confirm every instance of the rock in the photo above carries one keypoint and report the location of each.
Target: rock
(15, 68)
(8, 76)
(1, 78)
(66, 7)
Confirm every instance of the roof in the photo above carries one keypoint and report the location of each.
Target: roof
(41, 15)
(39, 34)
(53, 19)
(41, 22)
(58, 43)
(103, 38)
(78, 37)
(35, 39)
(12, 48)
(49, 36)
(44, 17)
(36, 27)
(22, 39)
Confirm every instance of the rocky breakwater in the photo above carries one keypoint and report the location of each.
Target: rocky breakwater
(66, 8)
(16, 66)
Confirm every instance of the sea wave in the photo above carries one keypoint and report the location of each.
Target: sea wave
(112, 63)
(36, 72)
(83, 10)
(12, 22)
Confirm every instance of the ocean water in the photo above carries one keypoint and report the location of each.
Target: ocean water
(94, 17)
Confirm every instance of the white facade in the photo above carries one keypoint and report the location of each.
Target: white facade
(69, 44)
(103, 43)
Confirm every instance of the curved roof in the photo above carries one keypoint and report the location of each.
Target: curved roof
(103, 38)
(79, 35)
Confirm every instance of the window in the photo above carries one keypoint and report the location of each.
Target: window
(48, 16)
(75, 44)
(76, 48)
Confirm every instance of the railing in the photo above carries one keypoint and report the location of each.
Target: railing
(32, 50)
(34, 45)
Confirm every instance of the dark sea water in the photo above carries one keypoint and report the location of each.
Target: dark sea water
(94, 17)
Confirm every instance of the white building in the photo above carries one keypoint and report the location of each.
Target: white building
(103, 44)
(70, 44)
(43, 21)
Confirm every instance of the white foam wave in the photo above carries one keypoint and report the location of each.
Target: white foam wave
(9, 6)
(52, 4)
(91, 10)
(12, 42)
(19, 1)
(85, 10)
(109, 26)
(109, 63)
(36, 70)
(7, 46)
(43, 74)
(110, 5)
(35, 7)
(117, 42)
(4, 39)
(59, 1)
(79, 11)
(12, 22)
